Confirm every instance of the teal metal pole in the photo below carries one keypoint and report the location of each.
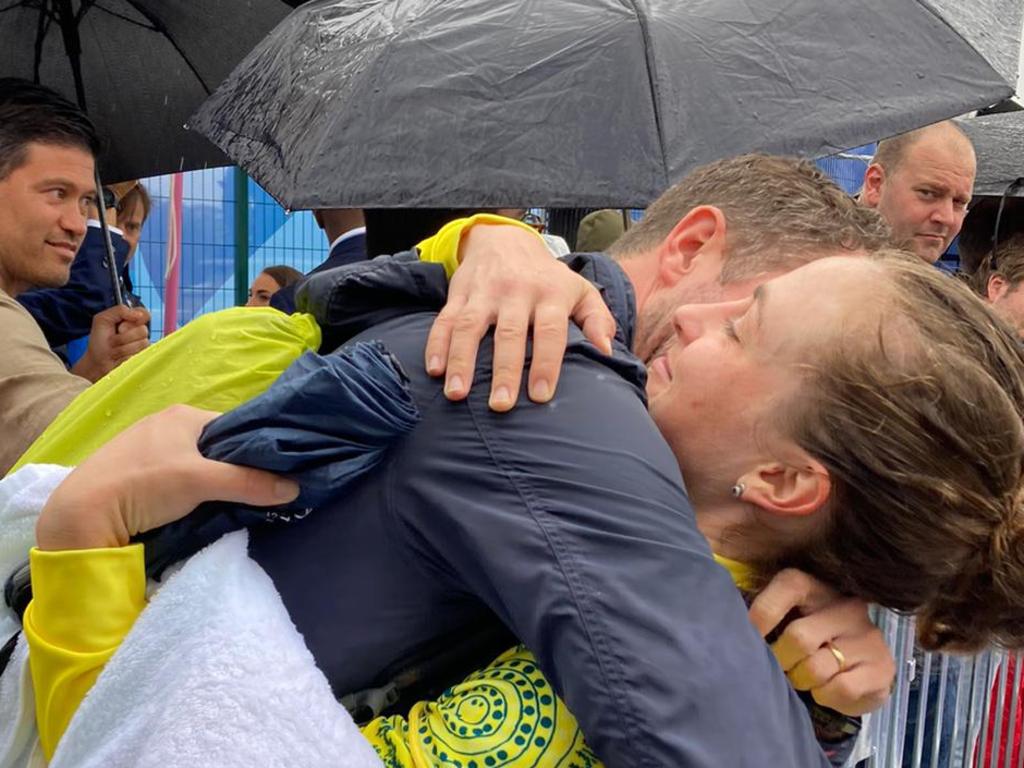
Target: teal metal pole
(241, 237)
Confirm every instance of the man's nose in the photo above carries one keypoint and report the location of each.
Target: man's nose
(944, 213)
(74, 221)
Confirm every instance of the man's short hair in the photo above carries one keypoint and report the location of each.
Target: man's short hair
(892, 151)
(780, 213)
(1007, 262)
(34, 113)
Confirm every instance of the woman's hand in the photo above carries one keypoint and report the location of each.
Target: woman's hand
(149, 475)
(832, 650)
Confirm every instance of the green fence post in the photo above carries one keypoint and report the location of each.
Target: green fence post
(241, 237)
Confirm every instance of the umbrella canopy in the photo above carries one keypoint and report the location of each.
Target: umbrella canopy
(597, 103)
(138, 67)
(999, 144)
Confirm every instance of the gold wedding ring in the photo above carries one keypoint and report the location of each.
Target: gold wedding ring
(840, 658)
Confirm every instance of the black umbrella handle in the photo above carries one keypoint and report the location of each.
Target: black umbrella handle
(115, 278)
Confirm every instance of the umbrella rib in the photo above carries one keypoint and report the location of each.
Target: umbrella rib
(12, 6)
(127, 19)
(652, 84)
(41, 31)
(83, 9)
(159, 27)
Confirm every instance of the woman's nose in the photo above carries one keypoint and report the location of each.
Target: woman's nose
(689, 322)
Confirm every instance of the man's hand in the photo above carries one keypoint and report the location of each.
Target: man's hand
(117, 334)
(149, 475)
(826, 618)
(509, 279)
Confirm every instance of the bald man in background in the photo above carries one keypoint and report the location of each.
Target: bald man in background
(921, 183)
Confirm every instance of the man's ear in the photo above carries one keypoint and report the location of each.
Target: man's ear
(698, 237)
(998, 286)
(788, 490)
(871, 193)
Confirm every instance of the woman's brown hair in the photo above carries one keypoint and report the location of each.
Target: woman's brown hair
(920, 428)
(283, 275)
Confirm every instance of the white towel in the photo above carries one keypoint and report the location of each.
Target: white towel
(213, 673)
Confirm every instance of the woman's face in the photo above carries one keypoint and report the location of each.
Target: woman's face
(262, 288)
(713, 392)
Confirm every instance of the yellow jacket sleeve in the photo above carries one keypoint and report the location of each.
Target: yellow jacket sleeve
(443, 247)
(84, 603)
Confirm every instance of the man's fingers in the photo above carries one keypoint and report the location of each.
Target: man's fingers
(129, 332)
(787, 590)
(469, 327)
(122, 352)
(509, 355)
(593, 316)
(550, 330)
(439, 340)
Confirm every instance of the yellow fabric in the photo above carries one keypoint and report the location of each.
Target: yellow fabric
(504, 715)
(443, 247)
(741, 573)
(217, 362)
(84, 603)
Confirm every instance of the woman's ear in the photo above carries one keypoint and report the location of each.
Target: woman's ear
(787, 490)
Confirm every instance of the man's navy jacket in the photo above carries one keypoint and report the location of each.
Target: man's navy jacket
(567, 521)
(350, 250)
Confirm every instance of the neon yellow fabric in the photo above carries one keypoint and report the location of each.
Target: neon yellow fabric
(84, 603)
(217, 362)
(443, 247)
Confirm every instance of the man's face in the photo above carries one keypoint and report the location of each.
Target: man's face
(924, 199)
(43, 206)
(735, 362)
(655, 332)
(130, 222)
(1008, 301)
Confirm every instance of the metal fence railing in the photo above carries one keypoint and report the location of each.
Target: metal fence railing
(945, 711)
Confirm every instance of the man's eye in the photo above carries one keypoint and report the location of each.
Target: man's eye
(57, 193)
(928, 194)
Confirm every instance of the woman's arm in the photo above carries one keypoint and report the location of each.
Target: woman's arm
(88, 581)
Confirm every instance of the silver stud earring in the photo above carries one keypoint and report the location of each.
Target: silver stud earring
(738, 489)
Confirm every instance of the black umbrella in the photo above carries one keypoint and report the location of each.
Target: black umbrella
(138, 68)
(999, 144)
(602, 103)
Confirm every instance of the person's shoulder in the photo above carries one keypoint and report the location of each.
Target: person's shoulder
(17, 321)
